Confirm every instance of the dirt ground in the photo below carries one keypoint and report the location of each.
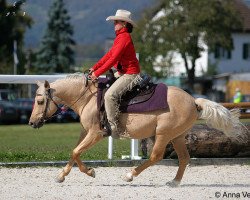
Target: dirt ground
(199, 182)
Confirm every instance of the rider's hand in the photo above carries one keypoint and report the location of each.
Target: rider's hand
(93, 77)
(91, 71)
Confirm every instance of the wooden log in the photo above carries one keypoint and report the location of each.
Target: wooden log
(245, 115)
(236, 105)
(204, 142)
(243, 106)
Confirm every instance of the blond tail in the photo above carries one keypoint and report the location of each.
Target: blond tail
(221, 118)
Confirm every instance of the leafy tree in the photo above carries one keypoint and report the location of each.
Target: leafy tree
(180, 28)
(56, 50)
(13, 25)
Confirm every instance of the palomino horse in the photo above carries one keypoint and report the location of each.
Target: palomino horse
(167, 125)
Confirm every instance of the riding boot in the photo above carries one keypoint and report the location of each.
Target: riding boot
(110, 130)
(115, 132)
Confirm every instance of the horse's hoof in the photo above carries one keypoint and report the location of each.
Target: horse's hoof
(91, 172)
(128, 177)
(173, 183)
(59, 179)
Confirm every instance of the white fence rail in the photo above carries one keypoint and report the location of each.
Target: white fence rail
(28, 79)
(32, 79)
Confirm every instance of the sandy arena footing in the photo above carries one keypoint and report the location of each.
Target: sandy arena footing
(199, 182)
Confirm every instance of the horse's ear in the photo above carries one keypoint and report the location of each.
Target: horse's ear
(46, 85)
(39, 83)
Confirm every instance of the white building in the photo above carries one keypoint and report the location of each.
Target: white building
(238, 59)
(235, 61)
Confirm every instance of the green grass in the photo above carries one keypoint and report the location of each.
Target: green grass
(52, 142)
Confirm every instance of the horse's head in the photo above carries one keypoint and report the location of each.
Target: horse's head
(44, 105)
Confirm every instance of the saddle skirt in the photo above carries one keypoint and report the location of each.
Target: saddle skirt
(149, 98)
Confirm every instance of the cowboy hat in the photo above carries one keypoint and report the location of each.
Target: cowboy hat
(122, 15)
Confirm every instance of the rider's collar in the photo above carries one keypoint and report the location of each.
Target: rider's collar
(123, 30)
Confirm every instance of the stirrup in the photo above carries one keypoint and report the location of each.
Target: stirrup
(106, 131)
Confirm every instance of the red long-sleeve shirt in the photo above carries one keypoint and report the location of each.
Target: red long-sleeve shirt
(122, 54)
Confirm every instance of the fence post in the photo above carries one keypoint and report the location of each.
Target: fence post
(110, 148)
(134, 150)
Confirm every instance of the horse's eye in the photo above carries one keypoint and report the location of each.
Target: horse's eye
(40, 102)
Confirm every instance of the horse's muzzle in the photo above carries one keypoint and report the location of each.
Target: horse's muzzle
(39, 124)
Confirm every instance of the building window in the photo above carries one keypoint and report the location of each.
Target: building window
(222, 53)
(246, 51)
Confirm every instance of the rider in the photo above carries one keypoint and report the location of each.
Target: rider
(123, 57)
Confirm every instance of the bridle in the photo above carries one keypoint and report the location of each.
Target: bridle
(49, 98)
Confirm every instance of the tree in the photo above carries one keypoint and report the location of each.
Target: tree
(13, 26)
(180, 26)
(55, 53)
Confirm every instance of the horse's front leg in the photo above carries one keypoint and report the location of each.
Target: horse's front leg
(92, 137)
(66, 170)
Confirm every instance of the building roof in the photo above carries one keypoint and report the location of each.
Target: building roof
(244, 11)
(240, 76)
(233, 76)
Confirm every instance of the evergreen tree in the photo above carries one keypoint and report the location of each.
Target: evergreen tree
(55, 53)
(180, 27)
(13, 25)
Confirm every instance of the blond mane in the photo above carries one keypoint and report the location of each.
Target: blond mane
(74, 77)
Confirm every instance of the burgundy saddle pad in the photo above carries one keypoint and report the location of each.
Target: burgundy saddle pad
(154, 99)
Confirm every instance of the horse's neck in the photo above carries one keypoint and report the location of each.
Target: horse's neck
(73, 93)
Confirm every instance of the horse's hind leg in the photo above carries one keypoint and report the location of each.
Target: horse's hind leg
(66, 170)
(183, 157)
(156, 155)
